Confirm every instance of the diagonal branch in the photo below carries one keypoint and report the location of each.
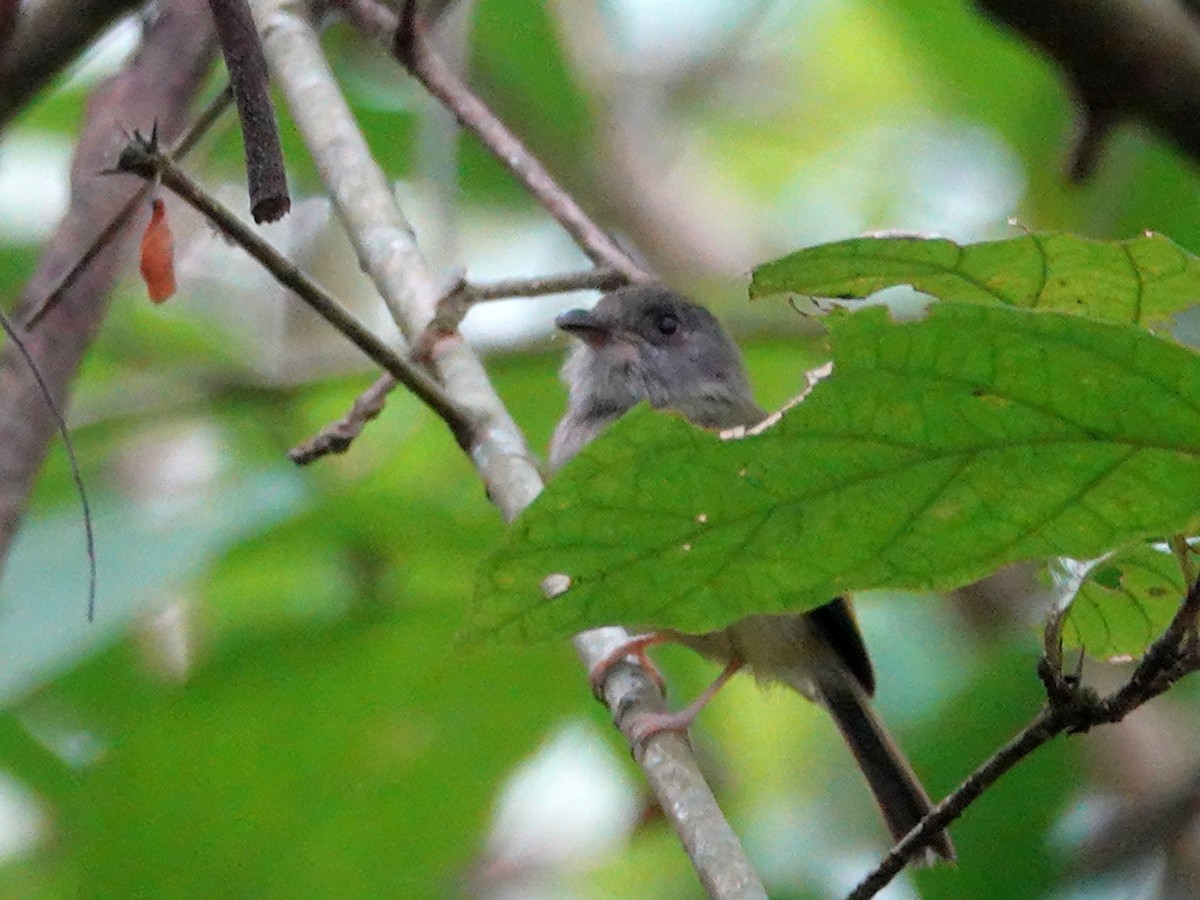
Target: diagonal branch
(199, 127)
(451, 308)
(1069, 708)
(142, 158)
(407, 38)
(388, 252)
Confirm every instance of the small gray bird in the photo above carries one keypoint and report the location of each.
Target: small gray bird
(649, 344)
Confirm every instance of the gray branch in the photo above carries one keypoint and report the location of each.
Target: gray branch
(388, 253)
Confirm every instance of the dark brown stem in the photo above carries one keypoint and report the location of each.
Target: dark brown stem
(265, 175)
(182, 147)
(337, 437)
(141, 158)
(8, 21)
(1069, 708)
(1046, 726)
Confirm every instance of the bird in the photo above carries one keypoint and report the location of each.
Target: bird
(649, 344)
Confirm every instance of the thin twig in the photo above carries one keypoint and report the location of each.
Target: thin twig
(338, 436)
(203, 122)
(140, 157)
(1069, 708)
(60, 421)
(457, 300)
(413, 50)
(265, 174)
(602, 278)
(1046, 726)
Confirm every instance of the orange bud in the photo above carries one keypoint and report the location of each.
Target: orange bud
(158, 255)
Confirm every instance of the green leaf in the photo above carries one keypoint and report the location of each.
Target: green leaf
(1123, 602)
(936, 452)
(1143, 281)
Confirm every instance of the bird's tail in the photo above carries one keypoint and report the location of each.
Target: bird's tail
(900, 796)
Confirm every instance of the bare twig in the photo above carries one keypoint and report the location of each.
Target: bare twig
(60, 422)
(1123, 58)
(265, 175)
(411, 48)
(456, 302)
(451, 308)
(140, 157)
(601, 278)
(1043, 728)
(160, 80)
(389, 255)
(199, 127)
(338, 437)
(1069, 708)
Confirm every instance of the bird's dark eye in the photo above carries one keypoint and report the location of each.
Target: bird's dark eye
(667, 323)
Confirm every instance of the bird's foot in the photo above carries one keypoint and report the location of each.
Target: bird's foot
(636, 648)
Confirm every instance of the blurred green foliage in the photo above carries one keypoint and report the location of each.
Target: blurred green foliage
(270, 703)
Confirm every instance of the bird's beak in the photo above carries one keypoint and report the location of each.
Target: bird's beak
(584, 325)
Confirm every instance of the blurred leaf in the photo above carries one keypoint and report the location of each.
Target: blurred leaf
(296, 765)
(1144, 280)
(1124, 602)
(140, 553)
(936, 452)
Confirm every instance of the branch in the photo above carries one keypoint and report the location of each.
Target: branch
(159, 81)
(1069, 708)
(451, 308)
(1123, 59)
(108, 233)
(337, 437)
(142, 158)
(411, 47)
(265, 175)
(367, 207)
(1046, 726)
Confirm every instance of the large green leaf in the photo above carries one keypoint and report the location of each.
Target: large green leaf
(1143, 281)
(937, 451)
(1123, 602)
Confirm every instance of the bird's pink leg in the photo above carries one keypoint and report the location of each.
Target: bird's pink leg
(636, 647)
(646, 725)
